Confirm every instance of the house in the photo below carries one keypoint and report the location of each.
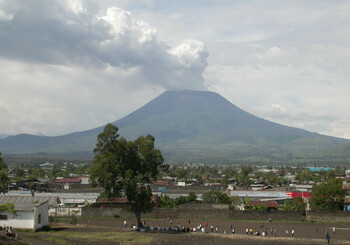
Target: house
(67, 180)
(31, 212)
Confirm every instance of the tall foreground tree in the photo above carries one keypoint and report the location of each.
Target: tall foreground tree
(4, 179)
(329, 195)
(126, 167)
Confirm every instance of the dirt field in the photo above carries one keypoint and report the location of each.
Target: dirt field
(111, 231)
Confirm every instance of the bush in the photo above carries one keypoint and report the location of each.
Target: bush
(74, 220)
(54, 219)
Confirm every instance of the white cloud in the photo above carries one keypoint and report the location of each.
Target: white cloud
(67, 65)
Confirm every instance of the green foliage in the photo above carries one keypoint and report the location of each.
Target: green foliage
(126, 167)
(53, 219)
(297, 204)
(19, 172)
(73, 220)
(216, 197)
(7, 207)
(166, 202)
(2, 163)
(261, 208)
(4, 179)
(328, 195)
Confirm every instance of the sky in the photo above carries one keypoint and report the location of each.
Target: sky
(73, 65)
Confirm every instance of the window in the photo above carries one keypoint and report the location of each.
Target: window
(3, 217)
(39, 219)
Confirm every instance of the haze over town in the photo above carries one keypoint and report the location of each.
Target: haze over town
(74, 65)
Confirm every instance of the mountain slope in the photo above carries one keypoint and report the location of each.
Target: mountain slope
(193, 125)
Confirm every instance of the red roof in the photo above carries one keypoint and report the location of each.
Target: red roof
(68, 180)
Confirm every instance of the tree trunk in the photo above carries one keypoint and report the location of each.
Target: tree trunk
(138, 219)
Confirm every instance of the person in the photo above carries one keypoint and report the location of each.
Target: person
(246, 231)
(206, 224)
(231, 226)
(333, 228)
(211, 228)
(151, 228)
(251, 231)
(225, 231)
(293, 232)
(171, 222)
(233, 231)
(287, 232)
(125, 224)
(216, 229)
(328, 238)
(158, 228)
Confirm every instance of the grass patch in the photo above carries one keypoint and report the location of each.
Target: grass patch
(56, 240)
(32, 235)
(125, 238)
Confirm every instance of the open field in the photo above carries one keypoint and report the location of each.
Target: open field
(111, 231)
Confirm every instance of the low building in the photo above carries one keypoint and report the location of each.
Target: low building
(260, 195)
(31, 212)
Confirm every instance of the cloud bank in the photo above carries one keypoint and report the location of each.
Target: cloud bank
(70, 61)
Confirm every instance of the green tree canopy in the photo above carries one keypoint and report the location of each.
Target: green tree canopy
(4, 179)
(215, 197)
(328, 195)
(126, 167)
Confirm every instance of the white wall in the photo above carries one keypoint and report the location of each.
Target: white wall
(22, 220)
(42, 210)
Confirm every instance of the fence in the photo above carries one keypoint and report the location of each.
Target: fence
(64, 211)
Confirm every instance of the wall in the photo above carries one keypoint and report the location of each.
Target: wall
(196, 213)
(23, 220)
(43, 211)
(64, 211)
(328, 216)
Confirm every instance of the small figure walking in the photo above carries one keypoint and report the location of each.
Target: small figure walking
(171, 222)
(333, 229)
(216, 229)
(293, 232)
(211, 228)
(125, 224)
(328, 238)
(287, 232)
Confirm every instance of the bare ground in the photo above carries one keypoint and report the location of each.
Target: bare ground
(111, 231)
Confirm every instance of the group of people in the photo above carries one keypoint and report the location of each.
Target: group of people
(10, 232)
(250, 231)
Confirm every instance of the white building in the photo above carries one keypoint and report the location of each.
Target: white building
(31, 212)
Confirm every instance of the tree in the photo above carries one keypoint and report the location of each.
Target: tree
(328, 195)
(126, 168)
(4, 179)
(216, 197)
(297, 204)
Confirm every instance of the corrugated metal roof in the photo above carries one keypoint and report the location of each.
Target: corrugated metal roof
(26, 203)
(262, 194)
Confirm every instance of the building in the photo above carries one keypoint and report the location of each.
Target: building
(31, 212)
(279, 196)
